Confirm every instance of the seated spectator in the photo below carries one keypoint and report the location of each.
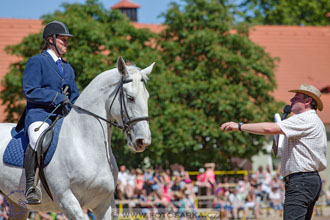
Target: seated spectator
(179, 202)
(148, 175)
(260, 195)
(148, 186)
(176, 186)
(189, 187)
(131, 184)
(225, 184)
(122, 182)
(156, 199)
(252, 202)
(327, 196)
(185, 178)
(260, 174)
(166, 194)
(221, 203)
(204, 186)
(206, 179)
(276, 201)
(210, 173)
(146, 204)
(244, 186)
(167, 175)
(157, 178)
(183, 173)
(236, 202)
(139, 179)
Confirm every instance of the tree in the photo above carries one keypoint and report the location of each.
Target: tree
(214, 74)
(287, 12)
(100, 36)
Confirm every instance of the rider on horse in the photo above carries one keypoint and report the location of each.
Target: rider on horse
(44, 79)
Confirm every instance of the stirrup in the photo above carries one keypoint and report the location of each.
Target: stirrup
(33, 196)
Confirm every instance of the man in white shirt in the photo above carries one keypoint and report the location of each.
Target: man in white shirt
(304, 150)
(122, 181)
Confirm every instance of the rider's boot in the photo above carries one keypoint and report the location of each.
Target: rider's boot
(32, 194)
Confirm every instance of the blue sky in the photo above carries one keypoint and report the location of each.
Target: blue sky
(34, 9)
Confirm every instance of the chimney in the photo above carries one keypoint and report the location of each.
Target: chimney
(128, 8)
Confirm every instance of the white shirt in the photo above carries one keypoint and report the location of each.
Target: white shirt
(305, 143)
(123, 178)
(275, 195)
(53, 55)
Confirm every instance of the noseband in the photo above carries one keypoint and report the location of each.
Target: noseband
(127, 121)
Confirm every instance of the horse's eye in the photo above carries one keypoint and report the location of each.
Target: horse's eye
(130, 98)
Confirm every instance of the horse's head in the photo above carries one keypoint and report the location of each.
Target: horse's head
(131, 110)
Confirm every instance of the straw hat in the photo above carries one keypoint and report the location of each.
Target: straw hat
(312, 92)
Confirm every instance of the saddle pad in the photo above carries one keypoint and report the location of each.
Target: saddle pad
(14, 153)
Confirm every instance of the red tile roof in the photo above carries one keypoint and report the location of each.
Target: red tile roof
(304, 54)
(12, 32)
(156, 28)
(125, 4)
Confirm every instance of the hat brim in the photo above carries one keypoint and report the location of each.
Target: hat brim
(67, 35)
(315, 97)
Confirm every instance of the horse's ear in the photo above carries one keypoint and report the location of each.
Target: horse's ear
(148, 70)
(121, 66)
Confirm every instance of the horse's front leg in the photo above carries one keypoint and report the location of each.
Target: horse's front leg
(70, 206)
(104, 211)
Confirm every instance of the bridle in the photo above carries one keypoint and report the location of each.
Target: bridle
(128, 122)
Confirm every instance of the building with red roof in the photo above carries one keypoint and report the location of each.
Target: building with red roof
(128, 8)
(125, 4)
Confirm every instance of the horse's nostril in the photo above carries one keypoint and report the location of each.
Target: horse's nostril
(139, 142)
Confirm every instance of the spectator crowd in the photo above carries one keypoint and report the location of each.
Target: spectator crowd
(175, 191)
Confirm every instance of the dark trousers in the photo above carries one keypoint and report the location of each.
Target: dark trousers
(302, 190)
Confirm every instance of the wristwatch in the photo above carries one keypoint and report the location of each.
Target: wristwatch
(240, 125)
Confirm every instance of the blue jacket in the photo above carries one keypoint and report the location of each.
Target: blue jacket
(42, 87)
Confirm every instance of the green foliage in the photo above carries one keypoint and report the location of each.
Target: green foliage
(214, 74)
(287, 12)
(207, 72)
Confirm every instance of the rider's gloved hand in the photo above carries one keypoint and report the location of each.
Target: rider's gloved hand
(66, 101)
(66, 106)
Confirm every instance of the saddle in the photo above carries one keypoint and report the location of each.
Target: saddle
(46, 146)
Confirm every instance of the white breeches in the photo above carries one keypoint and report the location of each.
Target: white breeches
(34, 135)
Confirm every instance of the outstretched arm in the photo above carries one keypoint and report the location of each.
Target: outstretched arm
(262, 128)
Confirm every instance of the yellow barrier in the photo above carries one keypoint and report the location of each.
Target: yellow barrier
(192, 173)
(224, 172)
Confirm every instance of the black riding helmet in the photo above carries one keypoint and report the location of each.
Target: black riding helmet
(53, 29)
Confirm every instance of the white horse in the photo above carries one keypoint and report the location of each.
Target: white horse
(83, 171)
